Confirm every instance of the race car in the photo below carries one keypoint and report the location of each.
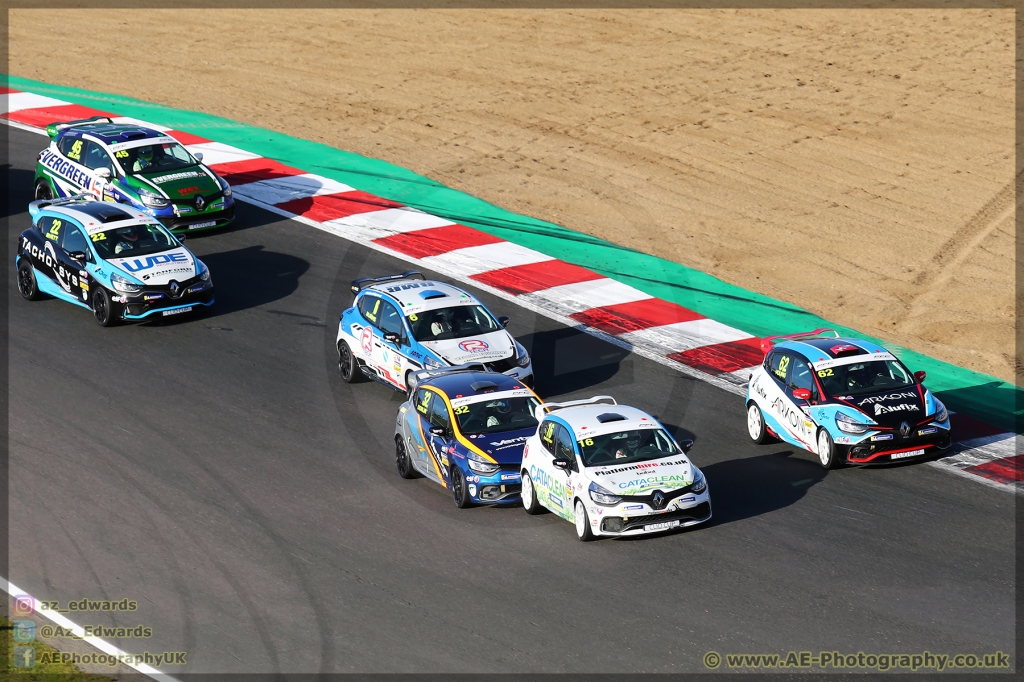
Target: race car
(116, 261)
(143, 168)
(399, 324)
(464, 427)
(611, 470)
(845, 400)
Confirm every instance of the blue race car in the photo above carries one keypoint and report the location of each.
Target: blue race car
(113, 260)
(399, 324)
(464, 427)
(846, 400)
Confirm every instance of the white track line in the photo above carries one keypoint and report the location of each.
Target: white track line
(101, 644)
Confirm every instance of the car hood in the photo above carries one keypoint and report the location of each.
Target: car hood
(177, 185)
(644, 477)
(481, 348)
(505, 447)
(159, 269)
(891, 407)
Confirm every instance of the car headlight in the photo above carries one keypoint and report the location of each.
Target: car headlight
(602, 496)
(225, 187)
(204, 272)
(431, 363)
(847, 425)
(941, 414)
(152, 199)
(481, 465)
(124, 285)
(699, 484)
(522, 357)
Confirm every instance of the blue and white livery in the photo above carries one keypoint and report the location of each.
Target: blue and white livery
(846, 400)
(399, 324)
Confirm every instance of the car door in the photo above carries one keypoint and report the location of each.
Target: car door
(73, 255)
(96, 158)
(801, 376)
(389, 337)
(782, 408)
(440, 444)
(45, 259)
(562, 481)
(419, 429)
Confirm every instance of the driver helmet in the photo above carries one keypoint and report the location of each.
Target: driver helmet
(145, 157)
(633, 440)
(500, 406)
(130, 233)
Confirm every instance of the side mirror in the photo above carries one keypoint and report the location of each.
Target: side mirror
(561, 462)
(920, 376)
(391, 337)
(504, 320)
(802, 393)
(102, 173)
(686, 445)
(77, 255)
(438, 431)
(199, 156)
(180, 237)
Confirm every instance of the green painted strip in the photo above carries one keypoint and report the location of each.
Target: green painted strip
(980, 395)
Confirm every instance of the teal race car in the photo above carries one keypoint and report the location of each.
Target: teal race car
(134, 165)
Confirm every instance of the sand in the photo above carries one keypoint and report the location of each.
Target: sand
(858, 163)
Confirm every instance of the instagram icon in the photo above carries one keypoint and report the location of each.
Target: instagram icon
(24, 605)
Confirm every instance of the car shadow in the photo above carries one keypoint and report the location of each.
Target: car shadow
(752, 486)
(567, 360)
(247, 278)
(247, 217)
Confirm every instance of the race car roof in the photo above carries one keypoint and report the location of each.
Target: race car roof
(114, 133)
(415, 296)
(594, 420)
(828, 349)
(99, 216)
(460, 384)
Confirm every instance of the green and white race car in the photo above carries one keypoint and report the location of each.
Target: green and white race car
(131, 164)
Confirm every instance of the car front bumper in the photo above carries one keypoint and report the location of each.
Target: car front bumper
(161, 302)
(630, 518)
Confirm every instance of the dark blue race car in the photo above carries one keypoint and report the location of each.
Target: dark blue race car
(465, 428)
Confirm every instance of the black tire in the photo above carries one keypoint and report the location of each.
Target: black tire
(402, 459)
(460, 494)
(828, 455)
(756, 428)
(529, 495)
(43, 190)
(27, 282)
(103, 309)
(348, 366)
(583, 532)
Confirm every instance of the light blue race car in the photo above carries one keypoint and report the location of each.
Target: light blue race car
(846, 400)
(114, 260)
(400, 324)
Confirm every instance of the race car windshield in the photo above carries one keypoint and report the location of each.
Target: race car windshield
(154, 158)
(135, 240)
(501, 414)
(624, 447)
(864, 377)
(452, 323)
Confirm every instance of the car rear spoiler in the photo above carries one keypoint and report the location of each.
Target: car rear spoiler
(419, 376)
(35, 207)
(769, 341)
(363, 282)
(541, 410)
(55, 128)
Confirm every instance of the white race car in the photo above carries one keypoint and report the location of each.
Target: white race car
(610, 469)
(399, 324)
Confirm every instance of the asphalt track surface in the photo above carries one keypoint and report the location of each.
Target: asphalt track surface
(218, 471)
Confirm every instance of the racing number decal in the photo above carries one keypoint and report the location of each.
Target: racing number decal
(780, 371)
(98, 237)
(123, 154)
(462, 410)
(76, 151)
(825, 372)
(586, 442)
(549, 433)
(53, 233)
(367, 341)
(372, 316)
(424, 405)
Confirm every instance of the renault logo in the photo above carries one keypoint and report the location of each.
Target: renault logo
(658, 500)
(200, 203)
(174, 288)
(904, 429)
